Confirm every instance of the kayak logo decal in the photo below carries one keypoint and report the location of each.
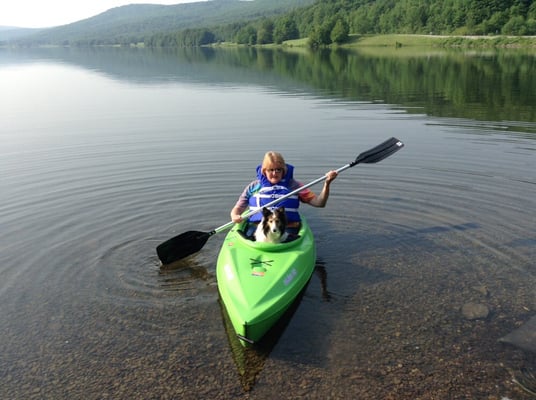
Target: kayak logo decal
(290, 277)
(258, 267)
(255, 263)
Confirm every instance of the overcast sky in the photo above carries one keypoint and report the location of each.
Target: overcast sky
(46, 13)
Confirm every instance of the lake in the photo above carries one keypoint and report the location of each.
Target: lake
(107, 152)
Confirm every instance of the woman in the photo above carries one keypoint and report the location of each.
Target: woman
(275, 179)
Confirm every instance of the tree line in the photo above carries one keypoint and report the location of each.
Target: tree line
(331, 21)
(323, 22)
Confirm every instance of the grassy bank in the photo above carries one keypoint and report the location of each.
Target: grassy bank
(432, 41)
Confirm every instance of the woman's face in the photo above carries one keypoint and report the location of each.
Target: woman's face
(274, 174)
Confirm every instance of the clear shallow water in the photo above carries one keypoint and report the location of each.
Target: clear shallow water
(98, 168)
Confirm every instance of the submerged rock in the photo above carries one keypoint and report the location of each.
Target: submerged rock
(482, 289)
(523, 337)
(475, 311)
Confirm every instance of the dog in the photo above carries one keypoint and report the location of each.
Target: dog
(272, 227)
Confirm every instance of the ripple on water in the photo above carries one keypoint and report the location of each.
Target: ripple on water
(131, 275)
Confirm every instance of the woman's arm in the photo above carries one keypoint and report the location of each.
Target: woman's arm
(236, 213)
(322, 198)
(242, 203)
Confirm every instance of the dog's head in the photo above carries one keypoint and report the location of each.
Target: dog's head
(274, 221)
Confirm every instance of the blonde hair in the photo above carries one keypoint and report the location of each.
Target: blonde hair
(273, 158)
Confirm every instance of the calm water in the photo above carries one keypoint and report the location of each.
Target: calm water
(106, 153)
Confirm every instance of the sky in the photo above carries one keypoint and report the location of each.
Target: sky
(47, 13)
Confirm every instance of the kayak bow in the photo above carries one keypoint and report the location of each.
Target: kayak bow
(258, 282)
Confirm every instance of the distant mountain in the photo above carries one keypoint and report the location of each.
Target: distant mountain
(11, 32)
(132, 23)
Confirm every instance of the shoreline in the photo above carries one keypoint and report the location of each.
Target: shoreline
(370, 41)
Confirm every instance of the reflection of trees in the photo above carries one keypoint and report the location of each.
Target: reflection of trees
(492, 86)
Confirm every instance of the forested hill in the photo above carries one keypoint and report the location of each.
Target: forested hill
(331, 21)
(273, 21)
(137, 22)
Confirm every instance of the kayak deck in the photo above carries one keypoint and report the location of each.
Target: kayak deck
(259, 281)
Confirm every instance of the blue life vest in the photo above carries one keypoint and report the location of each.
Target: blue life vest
(266, 193)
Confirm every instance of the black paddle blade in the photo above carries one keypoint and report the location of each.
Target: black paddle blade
(379, 152)
(181, 246)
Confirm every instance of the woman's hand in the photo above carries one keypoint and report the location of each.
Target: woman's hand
(331, 175)
(236, 215)
(236, 219)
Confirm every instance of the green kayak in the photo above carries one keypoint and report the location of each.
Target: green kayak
(259, 281)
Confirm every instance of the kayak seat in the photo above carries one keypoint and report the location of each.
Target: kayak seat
(293, 228)
(245, 235)
(247, 231)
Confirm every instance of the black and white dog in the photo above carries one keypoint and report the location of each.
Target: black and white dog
(272, 227)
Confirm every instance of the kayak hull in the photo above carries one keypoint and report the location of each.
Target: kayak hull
(259, 281)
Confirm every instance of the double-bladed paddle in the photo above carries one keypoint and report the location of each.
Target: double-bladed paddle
(191, 242)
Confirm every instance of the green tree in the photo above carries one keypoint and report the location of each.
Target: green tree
(494, 24)
(285, 28)
(321, 35)
(246, 35)
(532, 11)
(361, 20)
(515, 26)
(416, 16)
(265, 33)
(339, 33)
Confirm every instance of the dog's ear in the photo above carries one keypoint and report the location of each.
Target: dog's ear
(265, 212)
(281, 210)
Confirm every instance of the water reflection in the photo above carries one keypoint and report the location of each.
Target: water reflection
(322, 274)
(181, 273)
(250, 360)
(488, 86)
